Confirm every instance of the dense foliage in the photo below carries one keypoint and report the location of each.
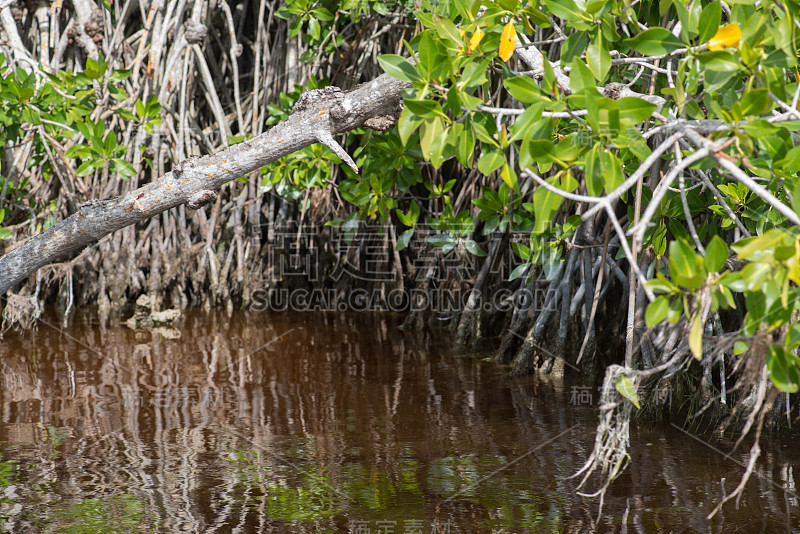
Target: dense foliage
(728, 79)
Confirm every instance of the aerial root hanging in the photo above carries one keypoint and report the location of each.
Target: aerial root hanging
(21, 310)
(610, 453)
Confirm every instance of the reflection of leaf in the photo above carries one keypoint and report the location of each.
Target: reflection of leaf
(123, 513)
(508, 41)
(57, 434)
(627, 390)
(6, 471)
(726, 37)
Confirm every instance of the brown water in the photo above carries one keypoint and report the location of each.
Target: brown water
(330, 423)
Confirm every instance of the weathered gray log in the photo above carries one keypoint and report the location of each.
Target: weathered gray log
(319, 115)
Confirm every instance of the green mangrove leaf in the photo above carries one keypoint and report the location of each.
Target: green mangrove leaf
(654, 42)
(716, 254)
(398, 67)
(783, 369)
(657, 311)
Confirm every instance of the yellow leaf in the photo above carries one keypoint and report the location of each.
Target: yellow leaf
(508, 41)
(793, 263)
(726, 37)
(627, 390)
(461, 33)
(476, 39)
(696, 337)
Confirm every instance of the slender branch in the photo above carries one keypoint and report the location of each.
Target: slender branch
(639, 228)
(739, 175)
(633, 178)
(560, 192)
(685, 204)
(545, 114)
(235, 52)
(211, 95)
(721, 199)
(792, 110)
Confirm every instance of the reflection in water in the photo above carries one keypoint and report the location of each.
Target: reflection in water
(326, 422)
